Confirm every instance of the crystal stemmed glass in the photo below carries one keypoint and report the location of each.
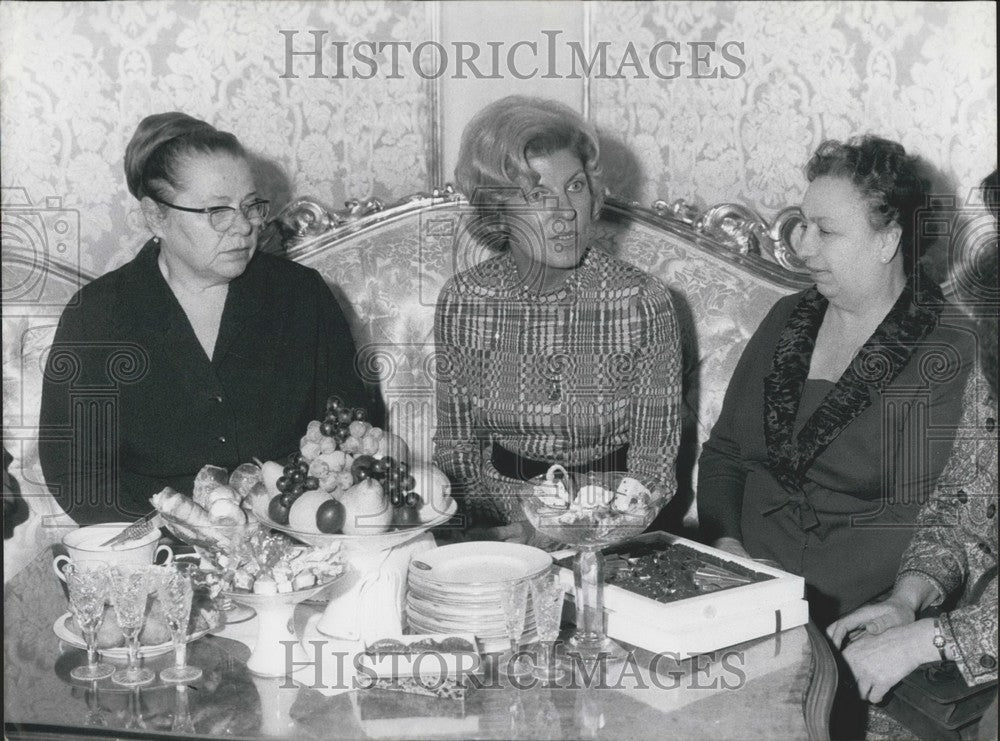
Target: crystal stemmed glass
(182, 721)
(547, 599)
(129, 593)
(88, 591)
(176, 592)
(95, 713)
(515, 607)
(135, 720)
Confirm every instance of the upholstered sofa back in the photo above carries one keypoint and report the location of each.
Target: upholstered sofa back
(388, 274)
(387, 269)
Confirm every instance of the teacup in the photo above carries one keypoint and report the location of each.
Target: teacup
(84, 544)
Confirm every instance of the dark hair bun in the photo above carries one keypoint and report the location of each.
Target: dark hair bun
(152, 155)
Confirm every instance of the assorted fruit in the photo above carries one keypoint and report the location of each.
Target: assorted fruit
(352, 478)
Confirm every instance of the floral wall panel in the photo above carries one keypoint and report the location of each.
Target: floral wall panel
(76, 78)
(921, 73)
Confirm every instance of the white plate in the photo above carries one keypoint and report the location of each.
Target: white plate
(489, 642)
(477, 624)
(479, 563)
(459, 597)
(429, 605)
(486, 610)
(62, 630)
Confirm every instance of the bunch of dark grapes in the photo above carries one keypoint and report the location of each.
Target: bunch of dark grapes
(393, 475)
(295, 480)
(336, 422)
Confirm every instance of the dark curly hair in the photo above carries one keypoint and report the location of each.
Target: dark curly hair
(889, 179)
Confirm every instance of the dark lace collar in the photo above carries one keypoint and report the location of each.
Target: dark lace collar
(877, 364)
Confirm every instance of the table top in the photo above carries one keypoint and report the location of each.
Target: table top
(779, 686)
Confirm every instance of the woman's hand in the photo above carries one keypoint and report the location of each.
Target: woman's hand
(733, 546)
(873, 619)
(879, 662)
(516, 532)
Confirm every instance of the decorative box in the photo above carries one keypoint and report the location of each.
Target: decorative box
(667, 594)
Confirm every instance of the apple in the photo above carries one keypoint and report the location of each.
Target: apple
(330, 516)
(366, 509)
(434, 489)
(302, 514)
(277, 511)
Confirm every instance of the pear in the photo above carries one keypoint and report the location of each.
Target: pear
(434, 489)
(270, 472)
(366, 509)
(302, 515)
(394, 446)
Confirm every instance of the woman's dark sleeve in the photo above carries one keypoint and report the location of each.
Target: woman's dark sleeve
(73, 448)
(339, 365)
(722, 470)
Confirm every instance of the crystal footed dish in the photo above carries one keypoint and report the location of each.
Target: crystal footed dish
(218, 547)
(589, 511)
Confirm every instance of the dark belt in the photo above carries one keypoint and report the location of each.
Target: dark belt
(514, 466)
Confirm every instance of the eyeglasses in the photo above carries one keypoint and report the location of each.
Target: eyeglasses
(222, 218)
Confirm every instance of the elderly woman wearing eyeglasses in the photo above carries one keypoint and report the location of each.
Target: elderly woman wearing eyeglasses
(200, 350)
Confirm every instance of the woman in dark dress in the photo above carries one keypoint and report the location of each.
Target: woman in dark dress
(840, 414)
(200, 350)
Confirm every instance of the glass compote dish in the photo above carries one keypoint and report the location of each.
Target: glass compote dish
(591, 512)
(220, 549)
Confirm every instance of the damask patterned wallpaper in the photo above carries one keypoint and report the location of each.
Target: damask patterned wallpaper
(76, 78)
(921, 73)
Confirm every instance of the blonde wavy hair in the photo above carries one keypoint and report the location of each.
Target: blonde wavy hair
(499, 140)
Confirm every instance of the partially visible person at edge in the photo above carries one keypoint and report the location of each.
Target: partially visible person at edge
(823, 450)
(200, 350)
(950, 566)
(552, 350)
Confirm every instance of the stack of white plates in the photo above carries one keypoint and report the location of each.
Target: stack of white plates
(459, 589)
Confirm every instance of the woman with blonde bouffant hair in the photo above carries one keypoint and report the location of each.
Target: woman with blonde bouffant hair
(553, 351)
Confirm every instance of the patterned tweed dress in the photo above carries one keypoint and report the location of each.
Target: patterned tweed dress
(566, 376)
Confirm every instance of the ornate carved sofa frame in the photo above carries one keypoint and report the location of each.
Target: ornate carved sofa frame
(725, 269)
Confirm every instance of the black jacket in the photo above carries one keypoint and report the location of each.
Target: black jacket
(131, 402)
